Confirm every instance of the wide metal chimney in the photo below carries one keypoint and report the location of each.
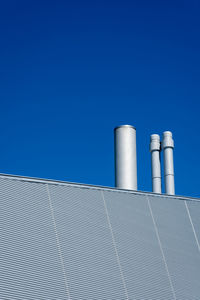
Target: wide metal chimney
(155, 163)
(168, 146)
(125, 157)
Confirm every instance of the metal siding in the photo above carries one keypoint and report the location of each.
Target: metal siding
(89, 257)
(61, 242)
(179, 246)
(194, 211)
(138, 248)
(29, 261)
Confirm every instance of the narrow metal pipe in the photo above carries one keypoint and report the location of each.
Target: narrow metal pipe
(155, 163)
(168, 146)
(125, 157)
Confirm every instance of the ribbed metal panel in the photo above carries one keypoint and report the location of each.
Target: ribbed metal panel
(179, 246)
(140, 256)
(64, 241)
(194, 214)
(89, 256)
(29, 262)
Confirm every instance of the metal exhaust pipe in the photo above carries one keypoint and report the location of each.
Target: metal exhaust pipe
(155, 163)
(125, 157)
(168, 146)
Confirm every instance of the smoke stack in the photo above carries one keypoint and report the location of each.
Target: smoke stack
(155, 163)
(125, 157)
(168, 146)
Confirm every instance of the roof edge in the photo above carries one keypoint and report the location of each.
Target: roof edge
(90, 186)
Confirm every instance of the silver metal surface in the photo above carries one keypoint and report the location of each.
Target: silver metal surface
(125, 157)
(30, 265)
(168, 146)
(90, 186)
(64, 241)
(179, 244)
(155, 163)
(139, 252)
(90, 263)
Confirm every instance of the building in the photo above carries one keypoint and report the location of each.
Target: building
(63, 241)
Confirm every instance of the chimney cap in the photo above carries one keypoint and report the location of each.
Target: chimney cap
(155, 137)
(167, 141)
(154, 143)
(126, 126)
(167, 134)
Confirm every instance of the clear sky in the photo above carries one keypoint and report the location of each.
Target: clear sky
(70, 71)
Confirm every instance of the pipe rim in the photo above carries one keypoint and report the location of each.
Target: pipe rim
(167, 134)
(155, 137)
(125, 126)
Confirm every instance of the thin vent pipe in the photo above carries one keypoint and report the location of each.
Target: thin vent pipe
(168, 146)
(155, 163)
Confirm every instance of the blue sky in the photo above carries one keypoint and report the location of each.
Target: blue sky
(70, 71)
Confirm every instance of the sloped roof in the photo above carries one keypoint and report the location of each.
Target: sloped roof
(63, 241)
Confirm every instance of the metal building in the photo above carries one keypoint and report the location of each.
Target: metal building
(62, 241)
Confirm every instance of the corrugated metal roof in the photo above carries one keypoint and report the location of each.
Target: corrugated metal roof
(69, 241)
